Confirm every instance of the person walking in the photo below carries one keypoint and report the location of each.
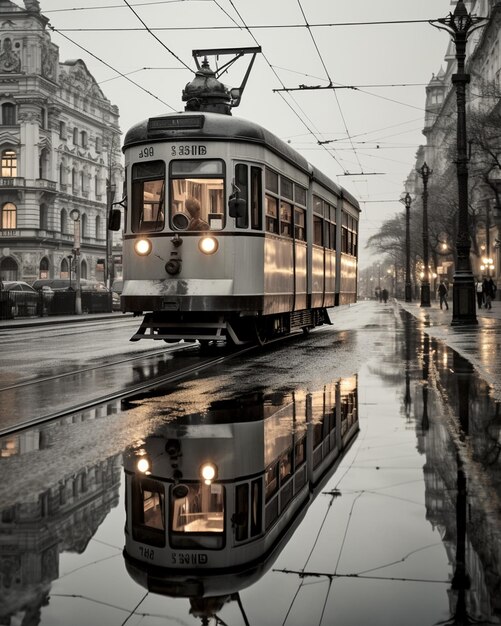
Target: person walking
(489, 289)
(479, 288)
(442, 292)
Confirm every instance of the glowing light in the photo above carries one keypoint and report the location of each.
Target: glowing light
(208, 472)
(143, 465)
(142, 247)
(208, 245)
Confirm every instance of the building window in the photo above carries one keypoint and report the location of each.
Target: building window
(98, 144)
(83, 139)
(8, 114)
(64, 222)
(74, 186)
(83, 270)
(8, 269)
(98, 227)
(9, 164)
(84, 225)
(43, 164)
(75, 136)
(62, 130)
(9, 216)
(44, 217)
(43, 270)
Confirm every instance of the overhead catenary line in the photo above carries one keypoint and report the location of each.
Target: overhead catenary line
(55, 30)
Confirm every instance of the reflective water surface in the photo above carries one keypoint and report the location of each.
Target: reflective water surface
(364, 492)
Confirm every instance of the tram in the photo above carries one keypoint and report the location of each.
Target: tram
(230, 235)
(211, 499)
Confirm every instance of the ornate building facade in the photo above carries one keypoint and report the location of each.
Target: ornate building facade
(60, 155)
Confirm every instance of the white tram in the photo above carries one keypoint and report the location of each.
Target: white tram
(229, 234)
(211, 501)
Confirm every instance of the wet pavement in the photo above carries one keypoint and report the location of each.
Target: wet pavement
(369, 456)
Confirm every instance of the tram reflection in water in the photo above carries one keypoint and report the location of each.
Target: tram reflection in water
(212, 498)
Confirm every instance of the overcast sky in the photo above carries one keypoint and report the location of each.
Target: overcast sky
(373, 129)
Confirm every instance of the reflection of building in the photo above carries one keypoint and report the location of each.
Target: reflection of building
(37, 526)
(59, 145)
(462, 476)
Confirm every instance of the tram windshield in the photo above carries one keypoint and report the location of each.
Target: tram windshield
(197, 195)
(148, 195)
(197, 509)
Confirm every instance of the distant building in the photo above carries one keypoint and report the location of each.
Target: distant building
(483, 110)
(60, 151)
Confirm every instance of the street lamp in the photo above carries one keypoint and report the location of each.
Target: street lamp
(425, 172)
(407, 200)
(75, 216)
(460, 25)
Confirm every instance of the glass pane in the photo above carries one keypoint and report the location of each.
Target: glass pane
(205, 168)
(148, 195)
(272, 181)
(197, 204)
(286, 219)
(286, 188)
(199, 509)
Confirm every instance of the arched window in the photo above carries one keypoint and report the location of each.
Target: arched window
(8, 114)
(9, 216)
(44, 217)
(83, 269)
(8, 269)
(83, 139)
(43, 270)
(64, 271)
(64, 222)
(9, 164)
(98, 227)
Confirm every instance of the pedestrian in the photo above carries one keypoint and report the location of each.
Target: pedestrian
(489, 289)
(442, 292)
(385, 295)
(480, 292)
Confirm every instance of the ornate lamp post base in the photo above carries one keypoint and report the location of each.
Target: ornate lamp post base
(425, 295)
(408, 292)
(463, 300)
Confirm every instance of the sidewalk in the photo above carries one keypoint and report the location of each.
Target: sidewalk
(480, 343)
(27, 322)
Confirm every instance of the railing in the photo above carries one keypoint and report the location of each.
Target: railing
(14, 181)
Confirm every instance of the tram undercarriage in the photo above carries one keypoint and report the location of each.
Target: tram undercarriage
(231, 329)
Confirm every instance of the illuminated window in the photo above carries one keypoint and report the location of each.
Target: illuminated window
(9, 164)
(9, 216)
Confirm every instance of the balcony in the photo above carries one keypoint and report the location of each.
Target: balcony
(14, 181)
(50, 185)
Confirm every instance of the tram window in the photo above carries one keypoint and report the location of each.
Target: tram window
(285, 465)
(256, 507)
(318, 205)
(300, 224)
(271, 481)
(271, 214)
(271, 181)
(256, 201)
(332, 228)
(148, 512)
(344, 239)
(241, 181)
(317, 230)
(300, 452)
(148, 195)
(285, 219)
(241, 517)
(286, 188)
(198, 508)
(197, 195)
(300, 195)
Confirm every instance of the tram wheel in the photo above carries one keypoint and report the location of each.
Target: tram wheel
(260, 332)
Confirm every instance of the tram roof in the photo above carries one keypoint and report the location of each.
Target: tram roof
(218, 127)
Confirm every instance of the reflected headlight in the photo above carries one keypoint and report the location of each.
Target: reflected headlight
(208, 245)
(208, 472)
(143, 465)
(142, 246)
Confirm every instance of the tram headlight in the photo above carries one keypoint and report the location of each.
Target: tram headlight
(208, 245)
(143, 465)
(142, 247)
(208, 473)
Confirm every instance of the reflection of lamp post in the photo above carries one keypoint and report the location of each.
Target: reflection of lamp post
(459, 25)
(75, 216)
(425, 172)
(408, 288)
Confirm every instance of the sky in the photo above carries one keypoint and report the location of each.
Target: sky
(384, 52)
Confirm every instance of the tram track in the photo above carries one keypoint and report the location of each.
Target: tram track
(116, 395)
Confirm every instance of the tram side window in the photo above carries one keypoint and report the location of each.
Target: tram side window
(197, 195)
(300, 224)
(271, 481)
(241, 181)
(148, 512)
(256, 507)
(317, 230)
(271, 214)
(256, 195)
(148, 196)
(285, 219)
(241, 517)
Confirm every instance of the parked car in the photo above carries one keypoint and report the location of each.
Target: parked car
(65, 284)
(16, 285)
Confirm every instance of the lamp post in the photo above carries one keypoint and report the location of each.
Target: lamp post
(460, 25)
(75, 216)
(425, 172)
(407, 200)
